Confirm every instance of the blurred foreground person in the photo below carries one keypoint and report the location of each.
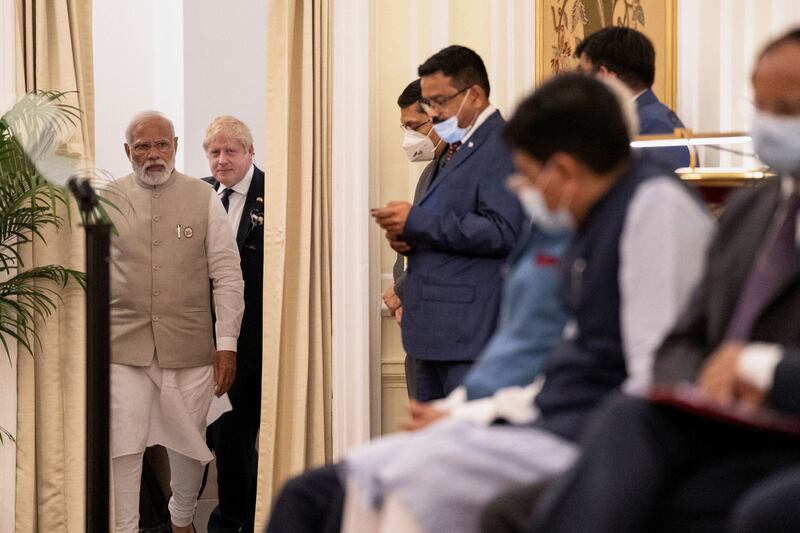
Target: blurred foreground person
(653, 467)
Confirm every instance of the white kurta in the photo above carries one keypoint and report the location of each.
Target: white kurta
(163, 406)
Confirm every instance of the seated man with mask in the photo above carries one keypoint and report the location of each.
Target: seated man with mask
(638, 251)
(651, 467)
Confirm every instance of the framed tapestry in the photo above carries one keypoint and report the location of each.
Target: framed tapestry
(562, 24)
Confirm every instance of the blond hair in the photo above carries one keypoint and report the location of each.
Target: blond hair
(230, 127)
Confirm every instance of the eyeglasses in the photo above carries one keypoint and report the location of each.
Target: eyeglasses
(411, 127)
(142, 148)
(438, 102)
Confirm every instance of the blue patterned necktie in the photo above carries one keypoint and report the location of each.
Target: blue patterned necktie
(226, 198)
(773, 267)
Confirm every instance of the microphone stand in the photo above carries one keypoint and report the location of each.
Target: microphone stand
(98, 349)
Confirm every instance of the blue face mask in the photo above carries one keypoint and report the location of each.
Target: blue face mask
(776, 140)
(448, 130)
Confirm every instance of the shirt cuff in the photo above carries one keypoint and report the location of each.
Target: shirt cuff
(480, 411)
(453, 400)
(756, 364)
(514, 404)
(226, 343)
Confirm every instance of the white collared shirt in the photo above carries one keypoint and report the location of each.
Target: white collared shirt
(223, 266)
(485, 114)
(662, 253)
(237, 198)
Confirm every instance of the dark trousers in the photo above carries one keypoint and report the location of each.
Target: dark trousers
(232, 437)
(654, 468)
(770, 506)
(511, 511)
(312, 502)
(433, 380)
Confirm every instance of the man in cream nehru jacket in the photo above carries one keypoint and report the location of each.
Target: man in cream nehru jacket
(172, 239)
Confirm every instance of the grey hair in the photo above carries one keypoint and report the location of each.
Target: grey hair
(143, 116)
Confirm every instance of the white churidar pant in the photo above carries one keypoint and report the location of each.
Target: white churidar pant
(165, 406)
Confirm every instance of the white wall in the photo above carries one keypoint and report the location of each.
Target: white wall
(225, 58)
(129, 72)
(717, 44)
(192, 61)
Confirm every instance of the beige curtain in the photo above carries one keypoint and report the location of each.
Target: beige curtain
(54, 52)
(296, 406)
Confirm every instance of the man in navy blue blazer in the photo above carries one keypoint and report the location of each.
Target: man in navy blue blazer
(459, 233)
(629, 56)
(239, 184)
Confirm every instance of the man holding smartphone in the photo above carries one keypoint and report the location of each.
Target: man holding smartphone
(459, 232)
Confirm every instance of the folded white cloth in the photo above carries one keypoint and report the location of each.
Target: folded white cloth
(219, 406)
(165, 406)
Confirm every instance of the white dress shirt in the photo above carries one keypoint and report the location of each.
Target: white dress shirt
(223, 265)
(662, 255)
(237, 199)
(485, 114)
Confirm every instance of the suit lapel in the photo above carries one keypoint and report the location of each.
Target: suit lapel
(251, 203)
(425, 180)
(741, 257)
(465, 151)
(789, 281)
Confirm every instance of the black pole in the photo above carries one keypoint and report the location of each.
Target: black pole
(98, 350)
(98, 358)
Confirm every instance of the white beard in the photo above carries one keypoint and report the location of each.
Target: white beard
(152, 177)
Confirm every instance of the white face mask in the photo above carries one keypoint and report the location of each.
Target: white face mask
(535, 207)
(418, 147)
(776, 140)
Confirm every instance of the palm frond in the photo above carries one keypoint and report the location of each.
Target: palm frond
(5, 434)
(34, 151)
(24, 296)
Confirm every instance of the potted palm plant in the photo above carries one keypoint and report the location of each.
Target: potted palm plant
(31, 154)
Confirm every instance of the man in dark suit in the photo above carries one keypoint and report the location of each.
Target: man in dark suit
(240, 185)
(420, 143)
(649, 467)
(629, 56)
(458, 234)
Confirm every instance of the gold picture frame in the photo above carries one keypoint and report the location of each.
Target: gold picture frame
(560, 24)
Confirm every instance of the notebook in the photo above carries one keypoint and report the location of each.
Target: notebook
(686, 397)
